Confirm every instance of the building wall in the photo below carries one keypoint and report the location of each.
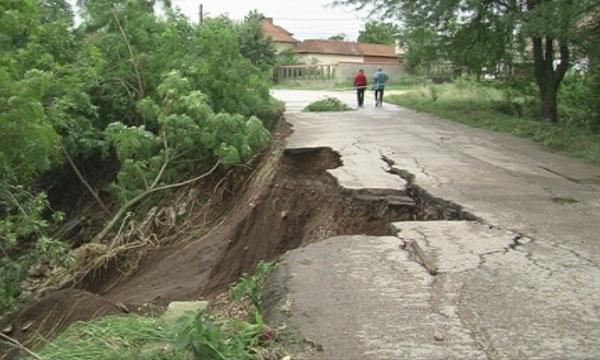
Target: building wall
(279, 47)
(329, 58)
(346, 70)
(381, 59)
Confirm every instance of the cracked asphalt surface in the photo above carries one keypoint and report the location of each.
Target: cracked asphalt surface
(522, 283)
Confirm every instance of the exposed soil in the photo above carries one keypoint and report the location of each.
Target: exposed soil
(54, 313)
(204, 237)
(290, 201)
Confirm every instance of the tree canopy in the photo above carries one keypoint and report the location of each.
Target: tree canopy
(376, 32)
(338, 37)
(478, 34)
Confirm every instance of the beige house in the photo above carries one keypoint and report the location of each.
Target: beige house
(282, 38)
(331, 59)
(329, 52)
(335, 51)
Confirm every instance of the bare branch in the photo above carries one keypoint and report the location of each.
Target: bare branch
(165, 163)
(102, 234)
(84, 182)
(16, 343)
(131, 54)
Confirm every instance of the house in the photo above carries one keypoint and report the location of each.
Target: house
(282, 38)
(331, 59)
(319, 51)
(335, 51)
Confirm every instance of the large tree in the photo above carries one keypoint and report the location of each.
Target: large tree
(254, 44)
(487, 31)
(377, 32)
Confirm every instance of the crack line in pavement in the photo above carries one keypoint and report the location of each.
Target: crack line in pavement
(515, 244)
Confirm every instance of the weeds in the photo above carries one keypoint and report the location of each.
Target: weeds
(201, 336)
(506, 110)
(327, 104)
(252, 286)
(434, 93)
(114, 337)
(211, 339)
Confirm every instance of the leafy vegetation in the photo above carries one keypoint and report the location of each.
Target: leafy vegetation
(158, 95)
(251, 286)
(287, 57)
(210, 339)
(542, 37)
(254, 44)
(327, 104)
(204, 335)
(376, 32)
(338, 37)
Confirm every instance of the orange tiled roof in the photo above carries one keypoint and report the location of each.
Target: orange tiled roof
(345, 48)
(277, 33)
(377, 50)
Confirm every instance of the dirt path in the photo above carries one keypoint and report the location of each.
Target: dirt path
(518, 283)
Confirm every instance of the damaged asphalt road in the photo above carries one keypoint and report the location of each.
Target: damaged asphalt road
(517, 278)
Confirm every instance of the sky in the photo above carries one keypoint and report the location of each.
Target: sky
(306, 19)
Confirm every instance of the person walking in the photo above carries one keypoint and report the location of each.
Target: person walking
(360, 83)
(379, 80)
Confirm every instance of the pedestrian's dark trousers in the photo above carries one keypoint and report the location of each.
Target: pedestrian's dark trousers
(379, 96)
(360, 96)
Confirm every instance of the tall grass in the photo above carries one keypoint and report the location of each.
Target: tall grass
(115, 337)
(200, 336)
(489, 107)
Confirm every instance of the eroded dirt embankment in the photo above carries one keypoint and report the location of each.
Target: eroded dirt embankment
(281, 201)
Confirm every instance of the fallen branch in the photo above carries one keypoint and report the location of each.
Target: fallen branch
(16, 343)
(411, 245)
(102, 234)
(84, 182)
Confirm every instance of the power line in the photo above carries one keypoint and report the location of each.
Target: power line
(317, 19)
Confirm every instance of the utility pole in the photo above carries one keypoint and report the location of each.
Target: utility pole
(201, 14)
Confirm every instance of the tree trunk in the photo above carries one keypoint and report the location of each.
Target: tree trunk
(547, 76)
(548, 104)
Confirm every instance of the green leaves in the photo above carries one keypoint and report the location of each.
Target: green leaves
(29, 143)
(379, 33)
(327, 104)
(23, 217)
(190, 133)
(131, 142)
(254, 44)
(251, 286)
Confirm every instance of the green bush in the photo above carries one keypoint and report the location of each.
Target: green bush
(327, 104)
(270, 112)
(126, 82)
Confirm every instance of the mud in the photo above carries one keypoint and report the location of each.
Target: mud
(52, 314)
(290, 201)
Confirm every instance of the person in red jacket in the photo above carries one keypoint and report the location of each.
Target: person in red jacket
(360, 83)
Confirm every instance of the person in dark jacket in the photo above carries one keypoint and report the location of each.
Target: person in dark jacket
(379, 80)
(360, 83)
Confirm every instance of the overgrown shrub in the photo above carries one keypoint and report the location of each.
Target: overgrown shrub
(270, 112)
(125, 81)
(23, 220)
(327, 104)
